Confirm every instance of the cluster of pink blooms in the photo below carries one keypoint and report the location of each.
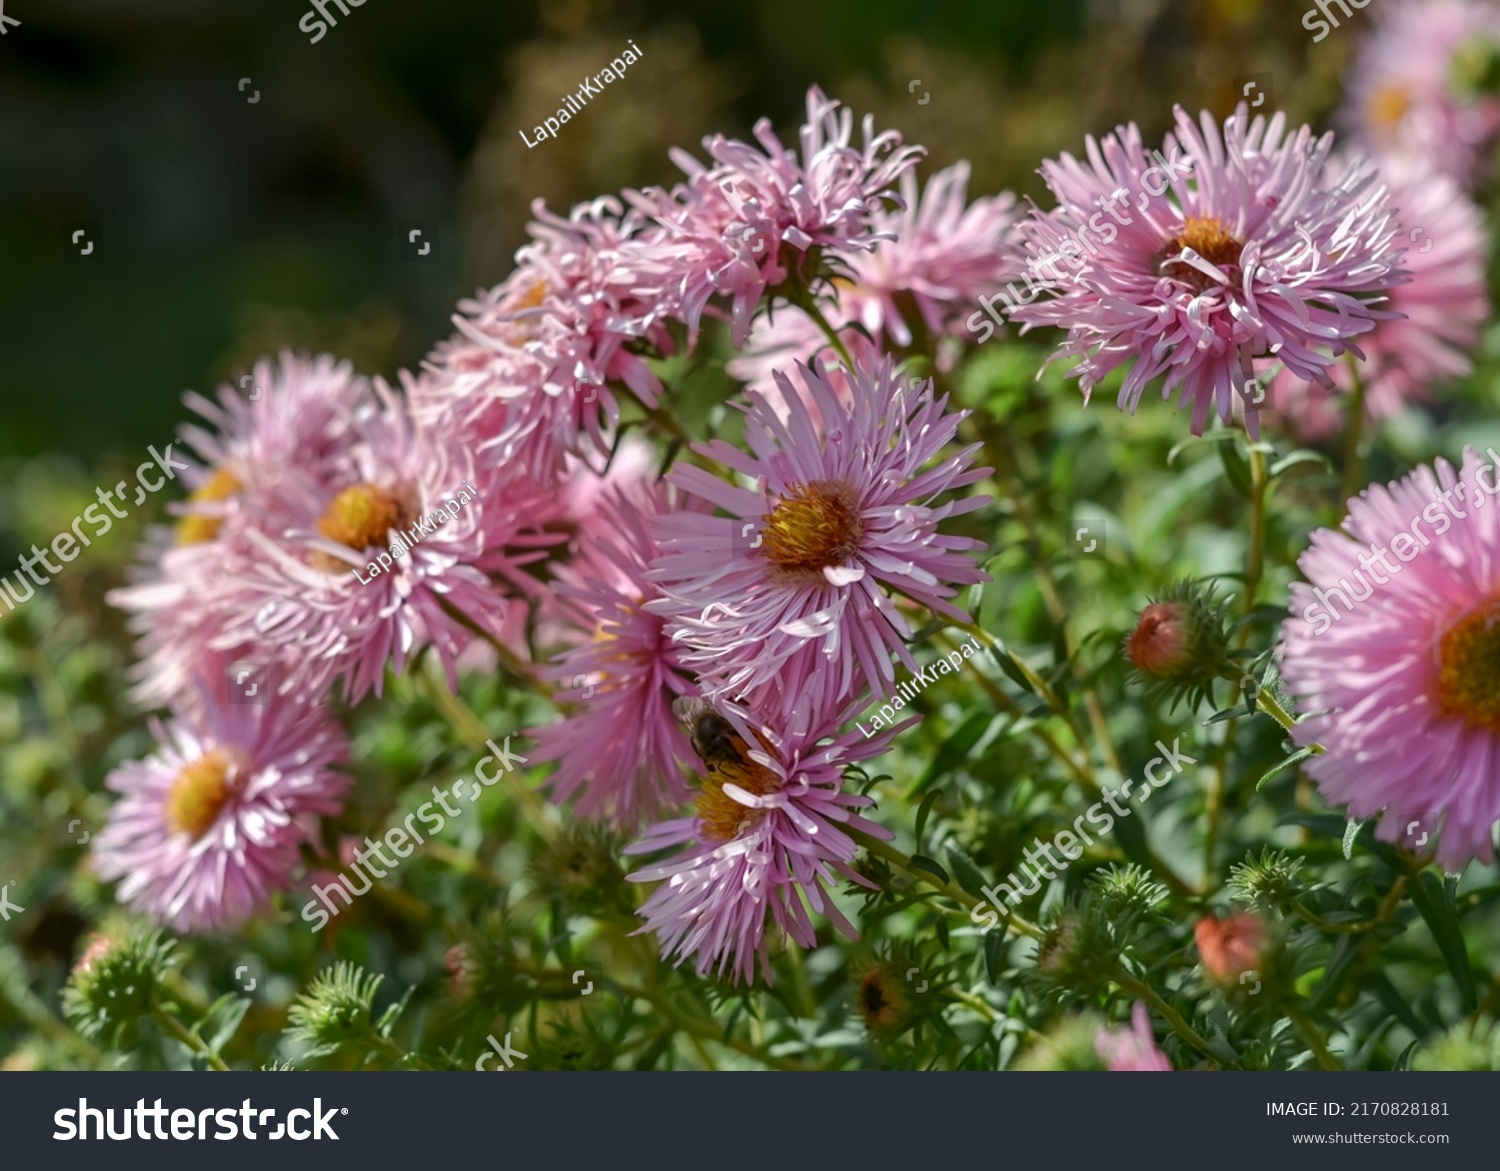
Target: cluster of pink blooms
(339, 528)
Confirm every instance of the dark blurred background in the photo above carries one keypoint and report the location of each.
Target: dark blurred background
(224, 228)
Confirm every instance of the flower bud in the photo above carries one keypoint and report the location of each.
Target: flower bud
(1179, 645)
(1230, 946)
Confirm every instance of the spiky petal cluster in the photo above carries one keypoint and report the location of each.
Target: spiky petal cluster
(942, 253)
(529, 371)
(1254, 253)
(1442, 309)
(623, 750)
(752, 219)
(803, 578)
(210, 824)
(1393, 650)
(288, 422)
(766, 845)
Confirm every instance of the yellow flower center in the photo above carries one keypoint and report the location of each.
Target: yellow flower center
(199, 793)
(1206, 236)
(194, 528)
(518, 333)
(1469, 667)
(813, 527)
(1388, 106)
(721, 816)
(361, 517)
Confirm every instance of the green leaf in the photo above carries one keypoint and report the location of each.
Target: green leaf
(965, 872)
(941, 927)
(388, 1018)
(923, 862)
(1300, 755)
(923, 812)
(1394, 1002)
(993, 941)
(1013, 672)
(1300, 457)
(224, 1017)
(1198, 441)
(1351, 833)
(953, 752)
(1237, 467)
(1434, 898)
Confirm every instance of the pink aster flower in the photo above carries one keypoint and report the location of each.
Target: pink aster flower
(290, 423)
(1443, 306)
(1414, 94)
(748, 221)
(766, 843)
(801, 577)
(1132, 1050)
(941, 253)
(1393, 648)
(529, 371)
(1255, 252)
(623, 749)
(211, 823)
(369, 571)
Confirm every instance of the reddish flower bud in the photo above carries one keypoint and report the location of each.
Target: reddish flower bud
(1179, 645)
(1159, 644)
(1230, 946)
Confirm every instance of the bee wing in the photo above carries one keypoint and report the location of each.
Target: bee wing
(689, 709)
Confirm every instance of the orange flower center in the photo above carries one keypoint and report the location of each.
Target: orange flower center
(1469, 667)
(720, 815)
(1206, 236)
(1388, 105)
(813, 527)
(880, 1001)
(199, 793)
(361, 517)
(518, 333)
(195, 528)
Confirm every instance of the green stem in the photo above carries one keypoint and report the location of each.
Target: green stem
(1259, 483)
(1082, 773)
(810, 306)
(517, 667)
(1164, 1010)
(175, 1029)
(474, 734)
(1314, 1039)
(885, 850)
